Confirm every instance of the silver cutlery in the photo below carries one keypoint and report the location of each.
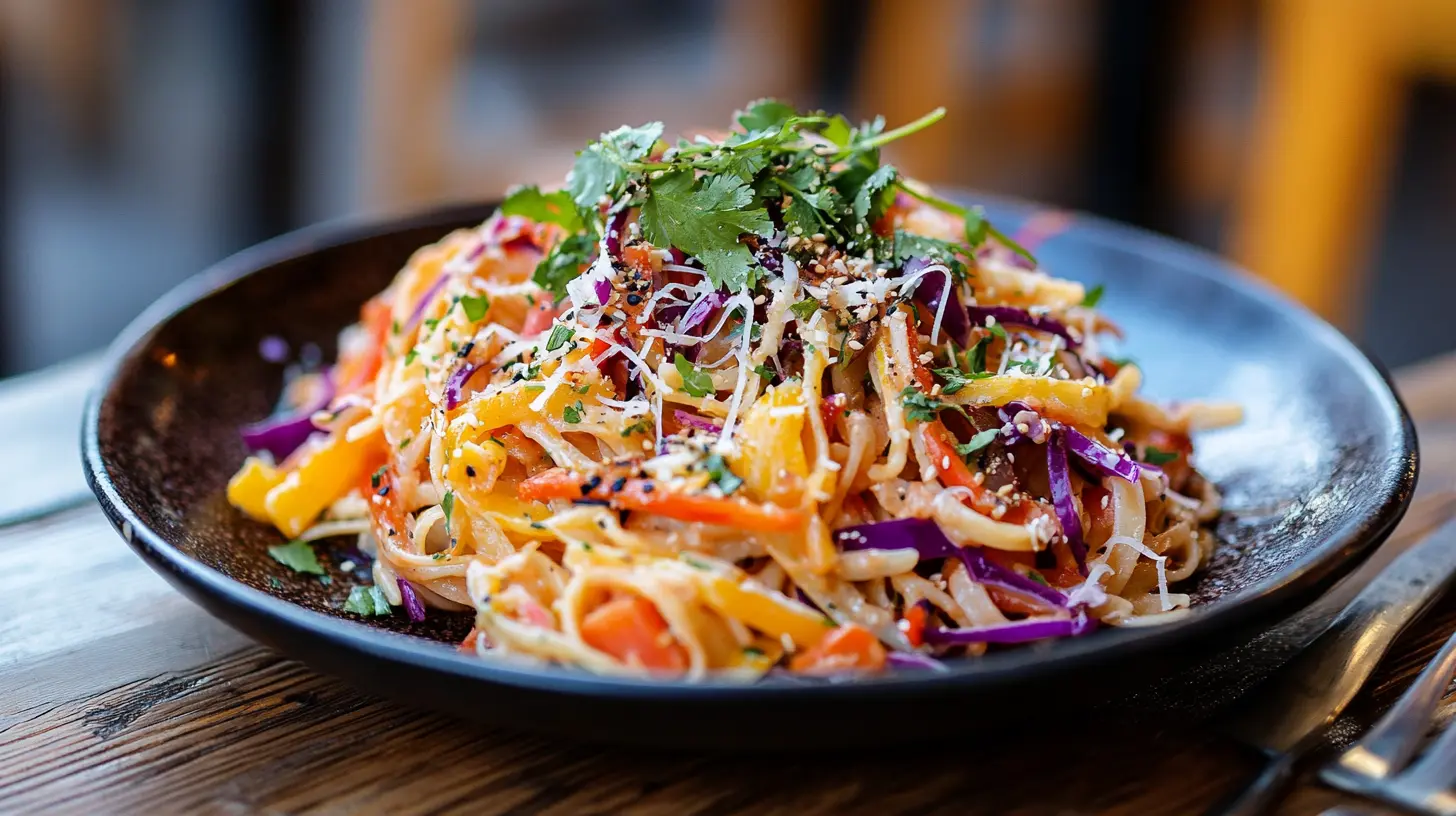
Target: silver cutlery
(1285, 715)
(1379, 765)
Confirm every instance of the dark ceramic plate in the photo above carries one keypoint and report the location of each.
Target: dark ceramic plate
(1319, 473)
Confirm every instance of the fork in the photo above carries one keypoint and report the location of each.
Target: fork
(1379, 765)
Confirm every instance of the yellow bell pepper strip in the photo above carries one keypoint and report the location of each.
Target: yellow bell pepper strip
(766, 611)
(646, 494)
(770, 443)
(248, 489)
(322, 476)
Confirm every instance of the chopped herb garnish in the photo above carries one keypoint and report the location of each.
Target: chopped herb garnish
(410, 356)
(1037, 577)
(1094, 296)
(805, 309)
(560, 333)
(475, 307)
(554, 208)
(764, 371)
(640, 426)
(923, 408)
(977, 442)
(404, 443)
(297, 556)
(573, 413)
(1158, 458)
(694, 563)
(497, 441)
(718, 471)
(955, 379)
(696, 382)
(378, 476)
(752, 652)
(367, 601)
(447, 506)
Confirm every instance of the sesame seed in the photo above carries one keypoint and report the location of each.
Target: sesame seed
(945, 462)
(926, 357)
(856, 345)
(760, 300)
(818, 236)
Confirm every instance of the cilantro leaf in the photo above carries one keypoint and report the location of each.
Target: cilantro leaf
(764, 371)
(838, 131)
(1094, 296)
(367, 601)
(745, 164)
(909, 245)
(377, 476)
(447, 506)
(560, 333)
(554, 208)
(640, 426)
(564, 264)
(475, 307)
(573, 413)
(875, 194)
(1158, 458)
(955, 379)
(1037, 577)
(718, 471)
(696, 382)
(599, 168)
(805, 309)
(705, 222)
(762, 114)
(922, 407)
(977, 442)
(297, 556)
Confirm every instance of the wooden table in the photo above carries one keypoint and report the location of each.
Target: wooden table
(117, 695)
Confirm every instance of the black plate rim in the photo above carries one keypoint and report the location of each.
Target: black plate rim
(1283, 593)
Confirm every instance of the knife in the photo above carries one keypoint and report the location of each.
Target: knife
(1286, 715)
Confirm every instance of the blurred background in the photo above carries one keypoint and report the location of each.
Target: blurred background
(141, 140)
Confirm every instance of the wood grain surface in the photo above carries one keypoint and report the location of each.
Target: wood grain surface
(119, 696)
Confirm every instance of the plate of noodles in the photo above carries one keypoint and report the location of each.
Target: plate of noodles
(742, 423)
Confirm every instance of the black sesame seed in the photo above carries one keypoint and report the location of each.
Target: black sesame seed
(619, 484)
(634, 299)
(648, 487)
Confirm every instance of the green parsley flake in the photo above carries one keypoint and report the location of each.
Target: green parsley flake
(297, 556)
(764, 371)
(718, 471)
(1158, 458)
(367, 601)
(378, 476)
(410, 356)
(447, 505)
(475, 307)
(955, 379)
(573, 413)
(923, 408)
(977, 442)
(696, 382)
(1093, 297)
(560, 333)
(640, 426)
(805, 309)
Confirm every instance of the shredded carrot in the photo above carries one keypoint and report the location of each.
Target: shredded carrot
(631, 629)
(846, 648)
(645, 494)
